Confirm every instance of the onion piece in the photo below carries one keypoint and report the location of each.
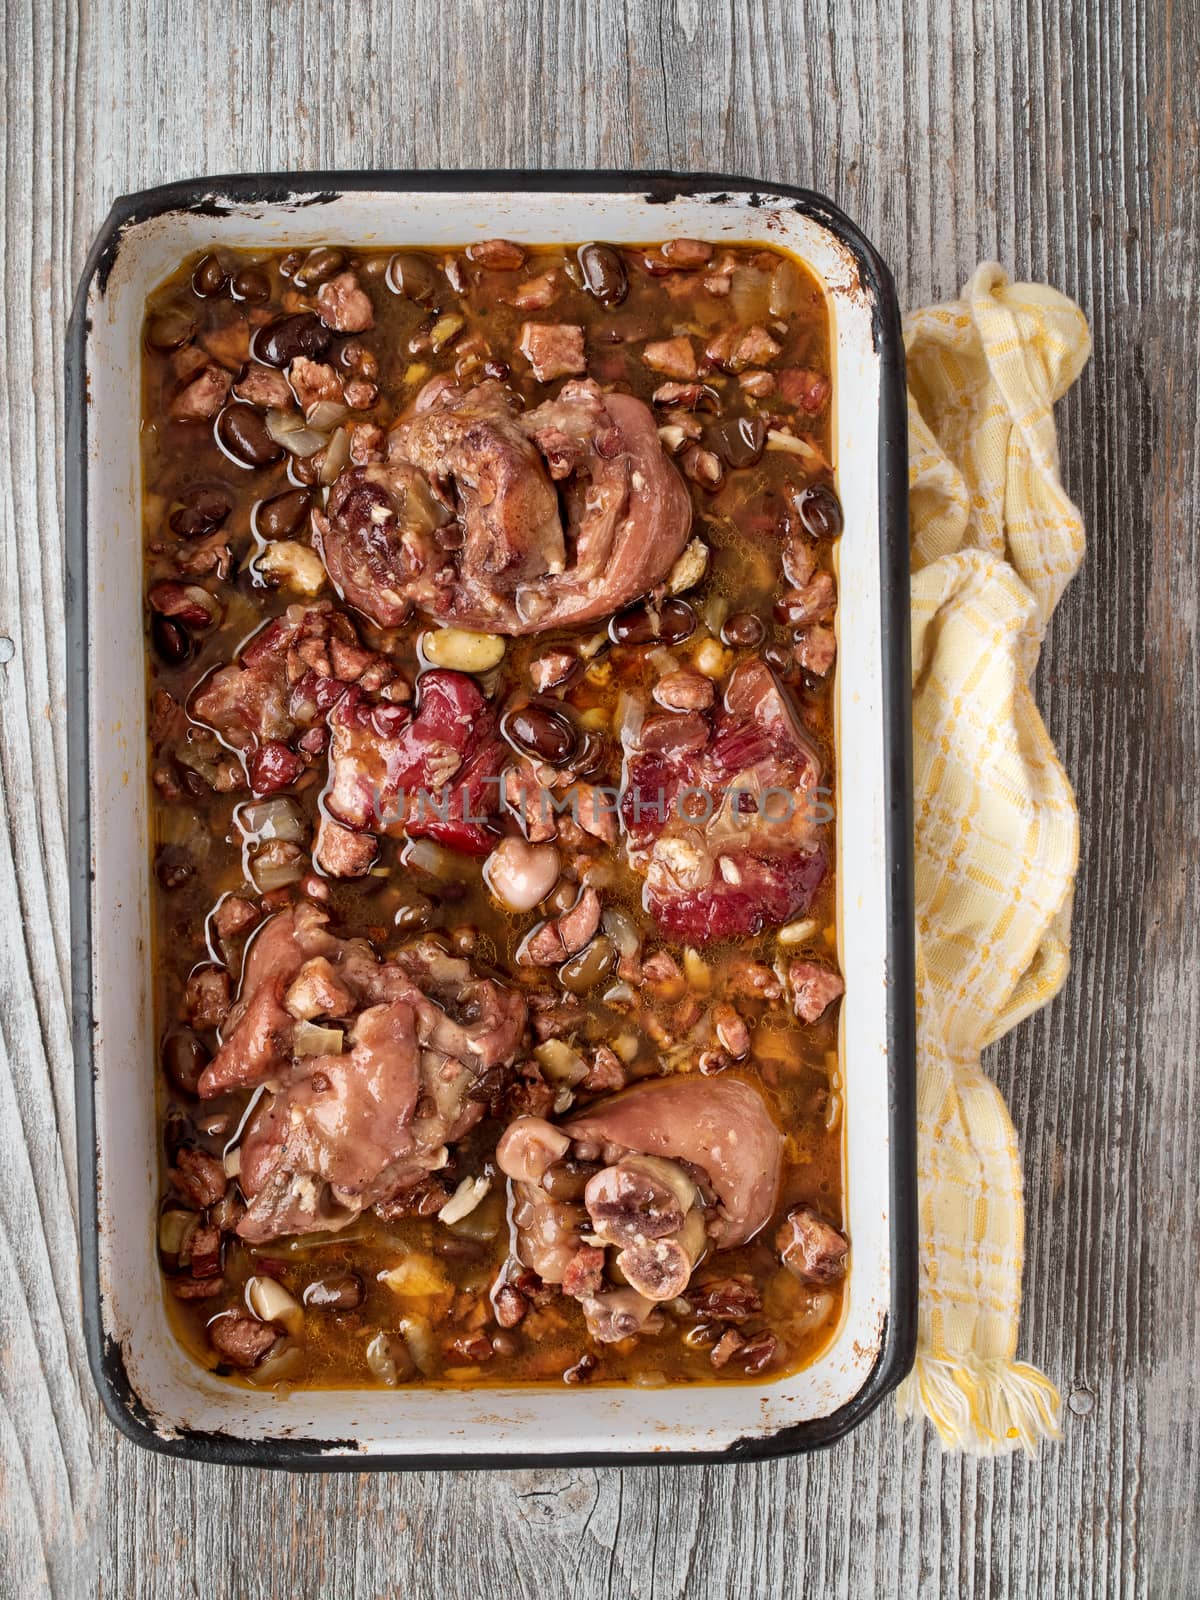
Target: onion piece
(174, 1229)
(625, 1047)
(793, 445)
(750, 295)
(288, 429)
(444, 331)
(631, 713)
(689, 568)
(260, 820)
(464, 1200)
(559, 1063)
(284, 1360)
(337, 454)
(324, 415)
(276, 865)
(423, 511)
(418, 1336)
(787, 294)
(388, 1359)
(426, 856)
(416, 1276)
(620, 994)
(797, 932)
(310, 1039)
(696, 970)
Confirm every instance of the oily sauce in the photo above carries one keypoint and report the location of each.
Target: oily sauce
(443, 312)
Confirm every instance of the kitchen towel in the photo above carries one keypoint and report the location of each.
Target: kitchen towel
(995, 540)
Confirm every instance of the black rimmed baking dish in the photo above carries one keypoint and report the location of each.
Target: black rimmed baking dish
(149, 1386)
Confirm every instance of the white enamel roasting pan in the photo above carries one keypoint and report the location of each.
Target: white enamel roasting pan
(151, 1389)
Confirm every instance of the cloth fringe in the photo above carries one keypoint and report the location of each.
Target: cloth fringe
(985, 1407)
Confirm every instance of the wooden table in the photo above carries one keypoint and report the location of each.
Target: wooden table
(1060, 138)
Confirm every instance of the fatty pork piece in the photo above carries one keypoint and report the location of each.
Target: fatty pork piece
(507, 521)
(337, 1132)
(431, 774)
(758, 860)
(268, 703)
(688, 1165)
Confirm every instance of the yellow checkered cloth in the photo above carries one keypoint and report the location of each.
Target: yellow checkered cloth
(995, 541)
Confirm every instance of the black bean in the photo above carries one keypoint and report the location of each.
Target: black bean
(739, 441)
(413, 277)
(209, 278)
(590, 967)
(318, 265)
(177, 1131)
(243, 432)
(779, 657)
(280, 342)
(199, 511)
(742, 628)
(170, 638)
(604, 274)
(820, 511)
(667, 624)
(282, 515)
(341, 1291)
(184, 1058)
(591, 753)
(251, 284)
(539, 731)
(413, 912)
(563, 896)
(170, 330)
(353, 356)
(566, 1180)
(452, 1248)
(173, 866)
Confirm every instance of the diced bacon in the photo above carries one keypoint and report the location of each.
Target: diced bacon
(812, 1248)
(563, 935)
(755, 348)
(584, 1273)
(814, 989)
(344, 305)
(313, 381)
(535, 294)
(202, 396)
(805, 389)
(498, 255)
(674, 358)
(816, 649)
(343, 852)
(265, 387)
(553, 349)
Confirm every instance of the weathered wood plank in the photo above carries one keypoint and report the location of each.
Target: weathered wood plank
(1062, 139)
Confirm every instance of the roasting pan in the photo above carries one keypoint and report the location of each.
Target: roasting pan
(150, 1388)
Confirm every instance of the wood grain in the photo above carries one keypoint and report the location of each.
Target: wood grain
(1059, 137)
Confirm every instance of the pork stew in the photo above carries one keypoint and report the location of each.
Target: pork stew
(490, 603)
